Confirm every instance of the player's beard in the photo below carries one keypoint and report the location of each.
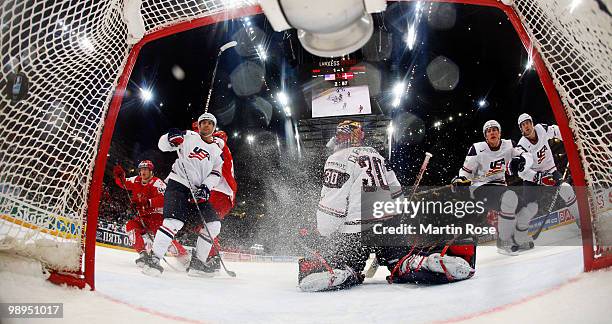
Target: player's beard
(206, 136)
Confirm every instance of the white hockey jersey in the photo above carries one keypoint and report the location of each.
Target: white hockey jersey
(485, 166)
(543, 160)
(202, 161)
(347, 172)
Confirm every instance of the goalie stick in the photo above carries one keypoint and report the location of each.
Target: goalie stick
(551, 206)
(371, 270)
(214, 246)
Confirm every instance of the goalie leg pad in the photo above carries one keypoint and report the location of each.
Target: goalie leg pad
(456, 267)
(315, 276)
(434, 269)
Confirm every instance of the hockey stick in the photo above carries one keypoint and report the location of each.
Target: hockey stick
(551, 206)
(142, 222)
(229, 272)
(371, 271)
(212, 82)
(449, 186)
(420, 175)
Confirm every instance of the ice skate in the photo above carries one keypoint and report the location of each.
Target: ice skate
(197, 268)
(152, 267)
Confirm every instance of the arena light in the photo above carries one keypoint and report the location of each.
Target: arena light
(282, 98)
(350, 29)
(482, 103)
(261, 51)
(399, 88)
(396, 102)
(287, 111)
(529, 63)
(146, 95)
(390, 128)
(250, 139)
(411, 37)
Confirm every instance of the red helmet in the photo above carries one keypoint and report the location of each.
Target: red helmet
(221, 134)
(194, 126)
(146, 164)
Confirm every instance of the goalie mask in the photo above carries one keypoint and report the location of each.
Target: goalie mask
(349, 132)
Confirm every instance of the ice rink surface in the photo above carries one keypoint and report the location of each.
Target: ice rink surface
(542, 285)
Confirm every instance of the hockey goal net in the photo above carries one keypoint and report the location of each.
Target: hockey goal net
(74, 59)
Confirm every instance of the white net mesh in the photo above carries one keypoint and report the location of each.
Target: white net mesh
(73, 52)
(575, 40)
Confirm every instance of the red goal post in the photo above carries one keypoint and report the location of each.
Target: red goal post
(574, 100)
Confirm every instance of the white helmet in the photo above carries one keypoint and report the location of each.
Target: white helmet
(489, 124)
(524, 117)
(208, 116)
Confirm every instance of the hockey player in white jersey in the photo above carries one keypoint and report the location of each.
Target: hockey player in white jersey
(484, 170)
(543, 172)
(197, 168)
(349, 170)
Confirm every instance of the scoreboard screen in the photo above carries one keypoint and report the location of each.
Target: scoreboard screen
(340, 88)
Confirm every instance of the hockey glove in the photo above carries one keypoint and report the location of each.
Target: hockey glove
(141, 203)
(460, 181)
(119, 173)
(175, 136)
(201, 194)
(545, 179)
(516, 165)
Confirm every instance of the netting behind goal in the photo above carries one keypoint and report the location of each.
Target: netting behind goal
(574, 39)
(74, 54)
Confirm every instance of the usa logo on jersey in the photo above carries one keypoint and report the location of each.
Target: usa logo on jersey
(199, 154)
(541, 154)
(496, 167)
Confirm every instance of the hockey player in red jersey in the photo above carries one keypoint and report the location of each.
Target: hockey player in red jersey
(148, 201)
(223, 195)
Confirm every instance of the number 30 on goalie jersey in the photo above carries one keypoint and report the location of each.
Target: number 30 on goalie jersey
(349, 171)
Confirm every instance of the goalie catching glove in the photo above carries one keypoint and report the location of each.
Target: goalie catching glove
(201, 194)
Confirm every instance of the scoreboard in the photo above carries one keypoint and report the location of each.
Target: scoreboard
(340, 88)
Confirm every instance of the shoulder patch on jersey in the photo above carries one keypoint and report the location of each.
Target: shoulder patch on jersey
(472, 150)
